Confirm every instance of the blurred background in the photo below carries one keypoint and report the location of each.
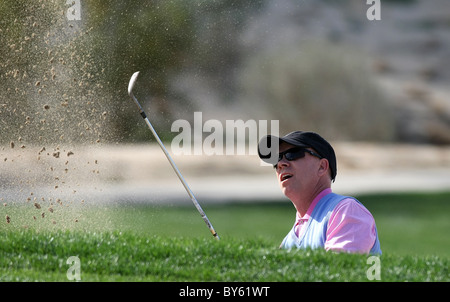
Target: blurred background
(377, 90)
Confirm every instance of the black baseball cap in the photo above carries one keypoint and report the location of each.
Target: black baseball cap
(304, 139)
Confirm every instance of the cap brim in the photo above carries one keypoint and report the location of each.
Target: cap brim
(268, 147)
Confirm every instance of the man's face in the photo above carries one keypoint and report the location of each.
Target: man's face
(297, 176)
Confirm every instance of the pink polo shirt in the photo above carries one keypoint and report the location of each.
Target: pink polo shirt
(351, 227)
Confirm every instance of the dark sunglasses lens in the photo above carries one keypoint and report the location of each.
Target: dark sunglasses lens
(295, 154)
(291, 154)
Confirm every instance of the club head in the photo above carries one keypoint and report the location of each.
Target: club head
(132, 82)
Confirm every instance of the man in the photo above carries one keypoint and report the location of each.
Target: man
(305, 167)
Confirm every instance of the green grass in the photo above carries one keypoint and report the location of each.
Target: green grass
(169, 243)
(413, 223)
(115, 256)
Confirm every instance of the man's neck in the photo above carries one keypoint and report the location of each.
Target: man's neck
(304, 201)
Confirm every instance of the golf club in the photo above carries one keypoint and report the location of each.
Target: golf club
(188, 190)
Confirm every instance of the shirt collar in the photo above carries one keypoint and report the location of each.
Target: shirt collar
(313, 204)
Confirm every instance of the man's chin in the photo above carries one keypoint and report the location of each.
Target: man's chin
(290, 192)
(286, 191)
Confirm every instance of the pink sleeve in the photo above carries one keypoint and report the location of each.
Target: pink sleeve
(351, 228)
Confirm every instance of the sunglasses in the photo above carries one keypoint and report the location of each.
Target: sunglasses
(295, 153)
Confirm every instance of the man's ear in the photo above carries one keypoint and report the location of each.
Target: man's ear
(323, 167)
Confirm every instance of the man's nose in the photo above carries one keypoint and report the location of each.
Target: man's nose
(283, 163)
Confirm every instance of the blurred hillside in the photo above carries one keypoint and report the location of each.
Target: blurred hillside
(317, 65)
(322, 65)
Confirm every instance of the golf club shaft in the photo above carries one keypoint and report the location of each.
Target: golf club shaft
(175, 168)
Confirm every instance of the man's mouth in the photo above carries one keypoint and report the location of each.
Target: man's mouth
(285, 176)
